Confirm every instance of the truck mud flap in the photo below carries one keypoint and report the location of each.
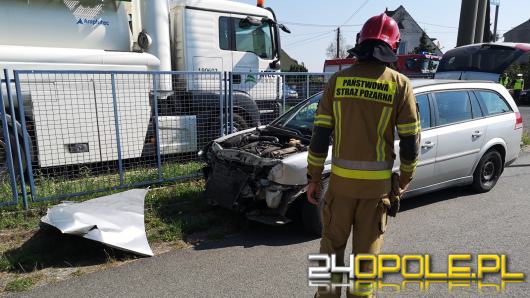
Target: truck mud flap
(225, 184)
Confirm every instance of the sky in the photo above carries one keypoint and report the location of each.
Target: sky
(313, 22)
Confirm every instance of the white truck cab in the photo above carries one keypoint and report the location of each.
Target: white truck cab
(139, 35)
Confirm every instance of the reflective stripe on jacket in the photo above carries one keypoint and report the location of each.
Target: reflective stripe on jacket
(360, 109)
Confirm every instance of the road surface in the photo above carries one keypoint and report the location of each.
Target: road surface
(272, 262)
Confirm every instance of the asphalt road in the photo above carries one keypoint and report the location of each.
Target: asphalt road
(272, 261)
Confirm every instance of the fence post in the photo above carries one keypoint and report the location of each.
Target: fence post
(307, 86)
(117, 127)
(231, 103)
(22, 119)
(9, 157)
(222, 82)
(284, 79)
(157, 126)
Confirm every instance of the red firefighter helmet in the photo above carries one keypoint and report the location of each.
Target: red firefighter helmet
(381, 27)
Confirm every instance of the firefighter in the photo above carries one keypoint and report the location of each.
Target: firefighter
(504, 80)
(360, 108)
(518, 87)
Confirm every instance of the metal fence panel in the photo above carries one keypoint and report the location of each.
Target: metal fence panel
(97, 131)
(273, 93)
(8, 183)
(90, 131)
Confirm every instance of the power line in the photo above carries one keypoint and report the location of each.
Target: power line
(319, 25)
(436, 25)
(355, 13)
(301, 44)
(311, 33)
(311, 39)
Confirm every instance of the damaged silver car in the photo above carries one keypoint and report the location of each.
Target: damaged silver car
(470, 131)
(261, 171)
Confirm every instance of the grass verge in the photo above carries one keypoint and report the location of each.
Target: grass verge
(176, 215)
(20, 285)
(526, 138)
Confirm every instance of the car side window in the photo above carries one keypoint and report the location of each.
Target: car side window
(425, 110)
(492, 103)
(453, 107)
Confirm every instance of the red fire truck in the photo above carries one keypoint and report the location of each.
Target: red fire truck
(414, 65)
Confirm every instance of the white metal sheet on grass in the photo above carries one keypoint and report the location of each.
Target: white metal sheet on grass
(116, 220)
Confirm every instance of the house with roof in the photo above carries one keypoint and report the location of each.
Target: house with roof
(520, 33)
(411, 31)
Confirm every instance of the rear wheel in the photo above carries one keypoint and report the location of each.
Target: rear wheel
(488, 171)
(311, 214)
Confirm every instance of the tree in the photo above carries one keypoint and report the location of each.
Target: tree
(298, 68)
(331, 51)
(295, 79)
(425, 45)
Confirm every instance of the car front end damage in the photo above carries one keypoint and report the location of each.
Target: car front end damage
(259, 172)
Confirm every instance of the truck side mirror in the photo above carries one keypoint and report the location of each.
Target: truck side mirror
(284, 28)
(276, 65)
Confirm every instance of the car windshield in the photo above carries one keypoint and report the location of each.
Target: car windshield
(300, 118)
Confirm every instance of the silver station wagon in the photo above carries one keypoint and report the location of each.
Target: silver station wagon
(470, 131)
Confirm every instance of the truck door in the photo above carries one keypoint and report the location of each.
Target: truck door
(253, 52)
(208, 45)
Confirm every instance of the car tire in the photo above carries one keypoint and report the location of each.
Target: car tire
(488, 171)
(312, 215)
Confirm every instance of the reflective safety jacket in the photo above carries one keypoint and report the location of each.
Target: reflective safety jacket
(518, 85)
(504, 81)
(360, 109)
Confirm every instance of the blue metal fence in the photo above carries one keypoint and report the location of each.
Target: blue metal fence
(76, 133)
(8, 182)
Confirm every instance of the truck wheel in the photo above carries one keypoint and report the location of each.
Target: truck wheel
(311, 214)
(4, 171)
(488, 171)
(239, 123)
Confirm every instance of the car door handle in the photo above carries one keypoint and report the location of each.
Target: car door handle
(428, 145)
(477, 134)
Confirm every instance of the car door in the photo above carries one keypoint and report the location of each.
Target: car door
(429, 140)
(461, 129)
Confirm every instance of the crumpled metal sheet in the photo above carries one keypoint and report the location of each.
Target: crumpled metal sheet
(116, 220)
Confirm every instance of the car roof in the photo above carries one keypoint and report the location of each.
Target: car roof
(430, 82)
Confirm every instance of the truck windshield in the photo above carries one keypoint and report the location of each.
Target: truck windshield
(254, 39)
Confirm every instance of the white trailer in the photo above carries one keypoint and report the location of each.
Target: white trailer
(139, 35)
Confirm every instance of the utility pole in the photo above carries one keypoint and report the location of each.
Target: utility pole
(497, 3)
(338, 43)
(481, 21)
(468, 21)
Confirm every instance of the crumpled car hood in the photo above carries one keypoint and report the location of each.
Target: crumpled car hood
(116, 220)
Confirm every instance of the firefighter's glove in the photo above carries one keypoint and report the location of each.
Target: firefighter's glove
(394, 196)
